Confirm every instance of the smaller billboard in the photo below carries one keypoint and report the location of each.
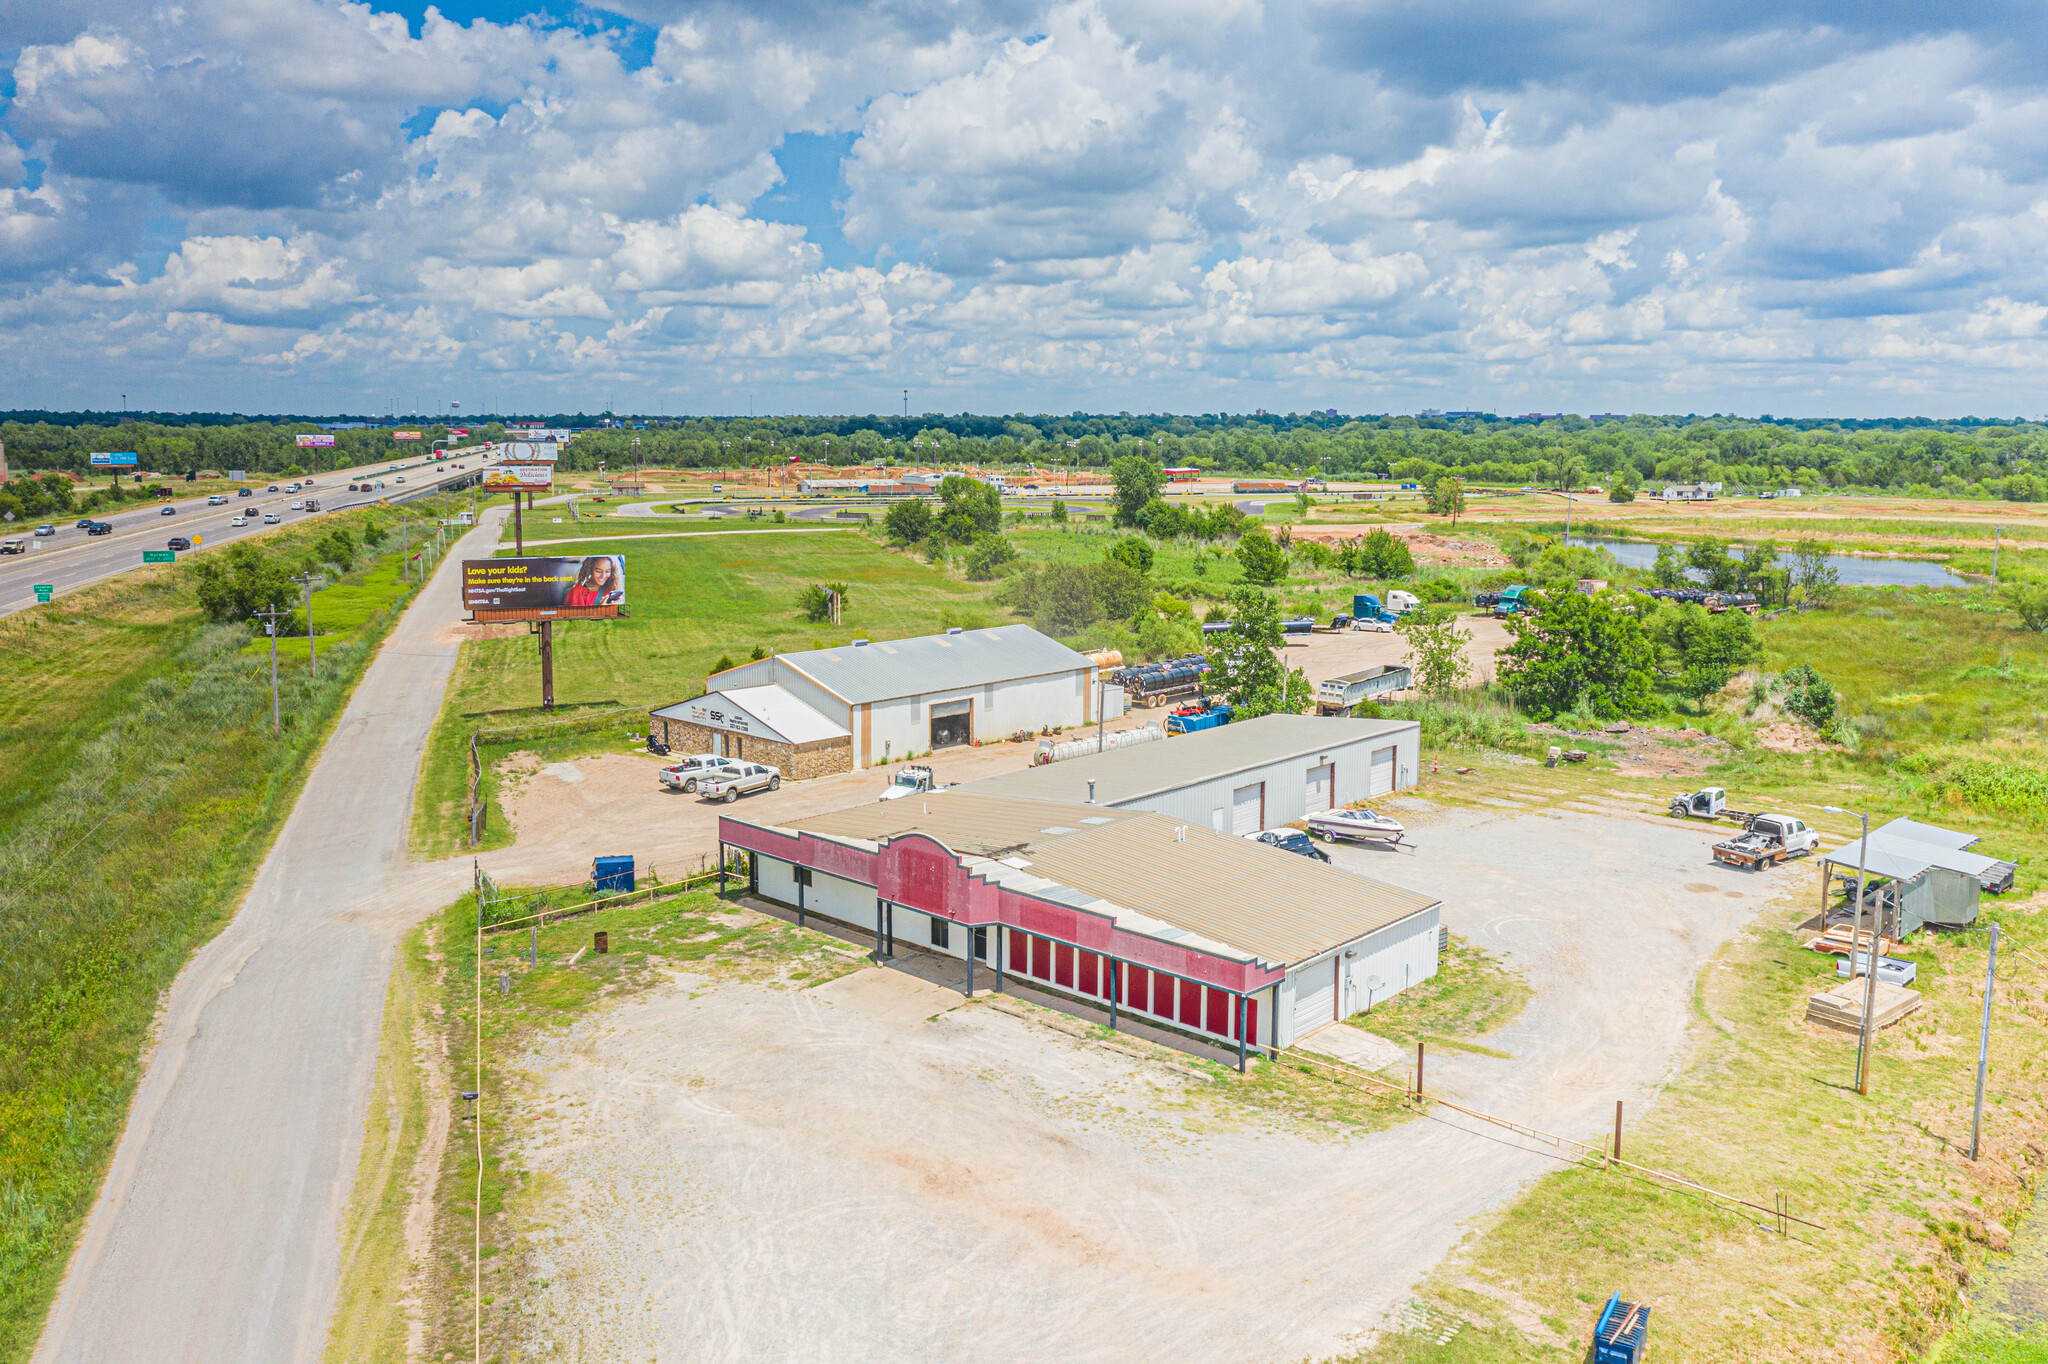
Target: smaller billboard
(593, 585)
(116, 459)
(310, 441)
(526, 451)
(505, 478)
(405, 435)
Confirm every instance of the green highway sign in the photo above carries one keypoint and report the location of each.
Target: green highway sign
(158, 556)
(44, 591)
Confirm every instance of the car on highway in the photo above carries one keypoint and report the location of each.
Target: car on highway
(217, 500)
(271, 489)
(238, 520)
(99, 528)
(84, 523)
(271, 518)
(177, 542)
(684, 775)
(168, 511)
(293, 488)
(1290, 840)
(298, 506)
(46, 530)
(401, 478)
(15, 546)
(738, 780)
(246, 492)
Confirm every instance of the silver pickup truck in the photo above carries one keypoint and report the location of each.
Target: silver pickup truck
(731, 782)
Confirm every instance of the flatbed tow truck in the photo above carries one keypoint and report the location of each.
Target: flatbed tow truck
(1766, 841)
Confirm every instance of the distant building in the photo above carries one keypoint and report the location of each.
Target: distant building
(1690, 492)
(1459, 416)
(1608, 417)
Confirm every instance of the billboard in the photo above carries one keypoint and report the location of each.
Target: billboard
(121, 459)
(405, 435)
(593, 586)
(315, 440)
(526, 451)
(505, 478)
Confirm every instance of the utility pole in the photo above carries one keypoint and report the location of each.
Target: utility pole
(306, 580)
(1984, 1039)
(1997, 534)
(270, 619)
(1870, 961)
(404, 550)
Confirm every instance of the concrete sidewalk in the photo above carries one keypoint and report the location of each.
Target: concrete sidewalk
(216, 1234)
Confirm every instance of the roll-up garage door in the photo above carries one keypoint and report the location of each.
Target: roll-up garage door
(1248, 808)
(1382, 772)
(1320, 781)
(1315, 997)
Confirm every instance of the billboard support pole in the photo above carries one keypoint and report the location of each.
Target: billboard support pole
(547, 665)
(518, 527)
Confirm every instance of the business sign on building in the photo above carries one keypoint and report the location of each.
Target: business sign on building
(589, 588)
(405, 435)
(117, 459)
(529, 478)
(310, 441)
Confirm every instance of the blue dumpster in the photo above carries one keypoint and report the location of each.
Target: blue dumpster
(1623, 1328)
(611, 874)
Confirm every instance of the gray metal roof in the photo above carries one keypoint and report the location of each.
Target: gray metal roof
(889, 668)
(1127, 774)
(1904, 848)
(1276, 906)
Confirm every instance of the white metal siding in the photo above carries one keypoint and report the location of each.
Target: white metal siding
(904, 725)
(1245, 803)
(1399, 956)
(1287, 782)
(1321, 781)
(1382, 772)
(1315, 995)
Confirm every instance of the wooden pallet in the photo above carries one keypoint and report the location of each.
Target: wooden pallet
(1842, 1007)
(1838, 939)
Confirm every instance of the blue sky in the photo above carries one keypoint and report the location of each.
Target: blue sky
(1376, 205)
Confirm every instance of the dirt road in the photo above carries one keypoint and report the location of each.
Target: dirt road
(876, 1170)
(215, 1236)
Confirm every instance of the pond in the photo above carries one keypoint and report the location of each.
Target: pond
(1855, 570)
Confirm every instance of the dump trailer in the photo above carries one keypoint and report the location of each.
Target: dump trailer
(1340, 695)
(1199, 716)
(1769, 840)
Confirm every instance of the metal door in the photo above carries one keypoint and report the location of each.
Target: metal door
(1382, 772)
(1315, 997)
(1321, 781)
(1248, 808)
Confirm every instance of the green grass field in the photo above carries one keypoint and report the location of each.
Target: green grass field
(690, 602)
(154, 787)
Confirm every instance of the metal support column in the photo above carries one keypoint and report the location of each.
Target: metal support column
(799, 900)
(892, 930)
(1984, 1040)
(1240, 1034)
(547, 665)
(1115, 990)
(721, 870)
(970, 963)
(878, 928)
(999, 957)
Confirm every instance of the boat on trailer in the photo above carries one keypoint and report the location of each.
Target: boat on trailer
(1356, 826)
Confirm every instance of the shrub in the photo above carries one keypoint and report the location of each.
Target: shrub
(1264, 562)
(1134, 550)
(2030, 604)
(1808, 696)
(233, 586)
(988, 557)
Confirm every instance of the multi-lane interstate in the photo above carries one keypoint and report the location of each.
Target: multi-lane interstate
(72, 559)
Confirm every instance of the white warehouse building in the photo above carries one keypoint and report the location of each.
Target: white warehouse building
(900, 697)
(1237, 778)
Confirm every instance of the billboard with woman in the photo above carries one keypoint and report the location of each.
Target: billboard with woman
(593, 585)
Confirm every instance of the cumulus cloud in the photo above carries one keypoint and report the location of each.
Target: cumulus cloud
(1368, 205)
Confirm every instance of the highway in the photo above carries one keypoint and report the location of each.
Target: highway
(71, 559)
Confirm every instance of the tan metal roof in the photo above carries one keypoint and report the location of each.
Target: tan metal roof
(1277, 906)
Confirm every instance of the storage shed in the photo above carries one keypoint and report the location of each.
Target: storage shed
(895, 698)
(759, 724)
(1920, 874)
(1237, 778)
(1220, 937)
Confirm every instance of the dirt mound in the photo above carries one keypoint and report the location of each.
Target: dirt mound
(1783, 736)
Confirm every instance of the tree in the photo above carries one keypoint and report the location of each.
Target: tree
(1384, 555)
(1138, 480)
(969, 508)
(814, 603)
(1669, 570)
(1812, 571)
(1566, 465)
(1436, 650)
(1808, 696)
(2031, 604)
(1622, 491)
(233, 586)
(1578, 652)
(988, 556)
(1447, 497)
(1705, 650)
(908, 522)
(1059, 512)
(1122, 589)
(1134, 550)
(1245, 667)
(1067, 599)
(1264, 562)
(1709, 557)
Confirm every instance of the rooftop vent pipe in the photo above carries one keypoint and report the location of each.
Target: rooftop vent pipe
(952, 629)
(860, 644)
(1091, 790)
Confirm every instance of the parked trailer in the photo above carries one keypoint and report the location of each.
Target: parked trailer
(1339, 695)
(1263, 485)
(1154, 682)
(1050, 752)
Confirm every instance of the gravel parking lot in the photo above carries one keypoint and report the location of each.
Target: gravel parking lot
(876, 1169)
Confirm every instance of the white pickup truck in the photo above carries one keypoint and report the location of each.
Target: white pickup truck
(1769, 840)
(684, 775)
(734, 780)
